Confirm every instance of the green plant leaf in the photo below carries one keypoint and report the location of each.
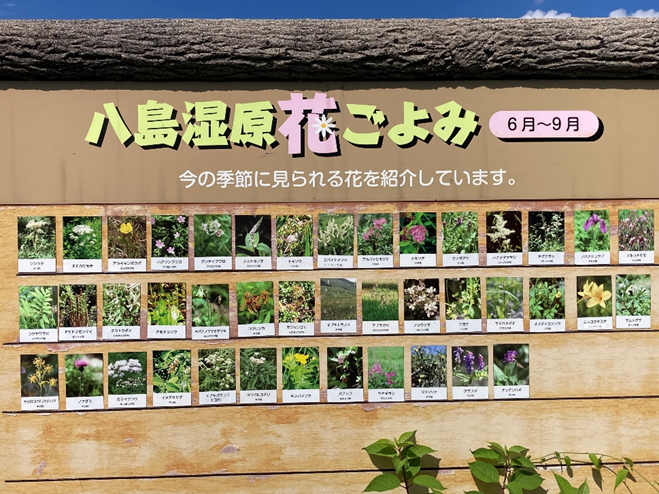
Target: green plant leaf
(583, 488)
(514, 488)
(498, 448)
(383, 483)
(484, 472)
(523, 461)
(399, 464)
(429, 482)
(526, 480)
(381, 447)
(157, 380)
(620, 477)
(568, 461)
(486, 454)
(420, 450)
(597, 462)
(406, 436)
(564, 485)
(629, 461)
(519, 449)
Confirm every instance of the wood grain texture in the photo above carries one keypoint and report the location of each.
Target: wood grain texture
(320, 50)
(455, 481)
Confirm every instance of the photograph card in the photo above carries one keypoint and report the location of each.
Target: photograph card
(594, 304)
(428, 372)
(127, 380)
(636, 236)
(338, 305)
(380, 306)
(511, 371)
(633, 301)
(82, 244)
(36, 244)
(505, 304)
(253, 242)
(166, 310)
(297, 308)
(300, 375)
(258, 375)
(386, 380)
(375, 240)
(84, 381)
(256, 308)
(294, 242)
(169, 242)
(77, 313)
(345, 374)
(39, 382)
(421, 302)
(592, 237)
(172, 378)
(212, 242)
(217, 376)
(336, 241)
(126, 244)
(546, 238)
(470, 373)
(121, 311)
(463, 305)
(37, 314)
(459, 238)
(418, 239)
(547, 305)
(210, 312)
(504, 238)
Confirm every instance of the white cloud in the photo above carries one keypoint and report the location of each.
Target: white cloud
(541, 14)
(638, 13)
(10, 5)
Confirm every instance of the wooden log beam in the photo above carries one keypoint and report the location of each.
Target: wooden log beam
(322, 50)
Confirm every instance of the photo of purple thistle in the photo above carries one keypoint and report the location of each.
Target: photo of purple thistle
(510, 356)
(469, 362)
(480, 362)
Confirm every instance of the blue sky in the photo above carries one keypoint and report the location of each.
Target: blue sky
(295, 9)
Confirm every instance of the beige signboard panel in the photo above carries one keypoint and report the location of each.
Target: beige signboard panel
(63, 143)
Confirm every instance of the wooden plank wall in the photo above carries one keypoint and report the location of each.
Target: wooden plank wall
(590, 391)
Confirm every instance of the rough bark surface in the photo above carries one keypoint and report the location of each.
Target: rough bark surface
(317, 50)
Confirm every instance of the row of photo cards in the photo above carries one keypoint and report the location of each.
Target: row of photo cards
(253, 379)
(217, 239)
(70, 312)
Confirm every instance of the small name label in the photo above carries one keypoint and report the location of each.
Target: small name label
(210, 332)
(449, 260)
(172, 399)
(127, 401)
(511, 392)
(87, 333)
(212, 263)
(590, 258)
(338, 327)
(380, 327)
(631, 322)
(504, 259)
(429, 394)
(82, 265)
(265, 396)
(127, 265)
(345, 395)
(85, 403)
(217, 397)
(421, 327)
(254, 263)
(547, 325)
(121, 332)
(594, 323)
(38, 403)
(418, 260)
(464, 326)
(386, 395)
(635, 257)
(250, 330)
(375, 261)
(166, 332)
(505, 325)
(336, 262)
(546, 258)
(37, 335)
(169, 264)
(296, 329)
(37, 266)
(294, 263)
(301, 396)
(470, 393)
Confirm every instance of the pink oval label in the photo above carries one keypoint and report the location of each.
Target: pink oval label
(544, 124)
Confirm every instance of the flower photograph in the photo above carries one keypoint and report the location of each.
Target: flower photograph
(297, 301)
(591, 231)
(636, 230)
(633, 295)
(127, 373)
(511, 365)
(36, 237)
(84, 375)
(258, 369)
(77, 306)
(338, 299)
(82, 237)
(39, 375)
(217, 369)
(385, 367)
(345, 367)
(594, 296)
(121, 304)
(380, 300)
(166, 304)
(210, 305)
(37, 307)
(212, 235)
(504, 298)
(294, 236)
(336, 234)
(469, 365)
(547, 298)
(300, 368)
(504, 231)
(172, 371)
(255, 302)
(127, 237)
(429, 366)
(463, 298)
(375, 235)
(460, 232)
(421, 299)
(546, 231)
(169, 235)
(418, 233)
(253, 236)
